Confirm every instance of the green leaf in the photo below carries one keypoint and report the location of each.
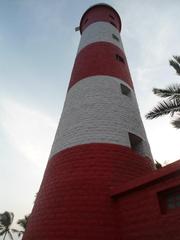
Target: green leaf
(6, 218)
(177, 58)
(2, 232)
(10, 234)
(171, 92)
(176, 123)
(164, 108)
(175, 63)
(23, 222)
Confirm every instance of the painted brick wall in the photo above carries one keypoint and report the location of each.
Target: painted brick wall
(75, 194)
(100, 13)
(100, 32)
(100, 59)
(91, 151)
(140, 216)
(96, 111)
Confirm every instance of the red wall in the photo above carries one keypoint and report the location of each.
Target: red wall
(74, 200)
(100, 59)
(100, 13)
(140, 215)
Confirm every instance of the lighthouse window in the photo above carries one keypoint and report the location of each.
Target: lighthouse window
(136, 143)
(115, 37)
(169, 200)
(119, 58)
(113, 24)
(125, 90)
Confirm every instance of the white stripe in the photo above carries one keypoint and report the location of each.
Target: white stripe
(98, 32)
(96, 111)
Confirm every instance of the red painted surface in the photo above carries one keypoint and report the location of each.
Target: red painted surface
(100, 59)
(103, 191)
(169, 200)
(74, 200)
(139, 210)
(98, 13)
(143, 181)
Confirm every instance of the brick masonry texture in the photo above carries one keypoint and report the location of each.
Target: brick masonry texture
(99, 14)
(139, 210)
(100, 59)
(100, 32)
(95, 186)
(95, 111)
(74, 200)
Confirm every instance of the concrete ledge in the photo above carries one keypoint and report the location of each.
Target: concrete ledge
(148, 180)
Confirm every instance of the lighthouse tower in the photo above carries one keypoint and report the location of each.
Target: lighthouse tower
(100, 141)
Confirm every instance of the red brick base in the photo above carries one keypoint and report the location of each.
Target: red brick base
(74, 200)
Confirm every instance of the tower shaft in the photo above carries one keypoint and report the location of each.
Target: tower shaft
(100, 141)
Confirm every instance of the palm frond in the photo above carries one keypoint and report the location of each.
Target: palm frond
(175, 63)
(10, 234)
(23, 222)
(15, 230)
(176, 122)
(172, 91)
(1, 227)
(6, 219)
(3, 232)
(177, 58)
(164, 108)
(19, 232)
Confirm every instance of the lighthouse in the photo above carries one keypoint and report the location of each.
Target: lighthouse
(100, 142)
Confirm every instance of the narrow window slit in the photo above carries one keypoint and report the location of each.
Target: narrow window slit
(119, 58)
(115, 37)
(136, 143)
(125, 90)
(113, 24)
(169, 200)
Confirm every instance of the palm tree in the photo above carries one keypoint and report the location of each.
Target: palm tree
(171, 104)
(6, 220)
(23, 223)
(175, 63)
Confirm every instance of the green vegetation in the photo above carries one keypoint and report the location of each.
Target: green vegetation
(22, 223)
(171, 104)
(6, 220)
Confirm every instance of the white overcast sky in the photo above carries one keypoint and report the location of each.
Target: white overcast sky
(38, 45)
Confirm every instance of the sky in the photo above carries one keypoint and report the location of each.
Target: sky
(38, 45)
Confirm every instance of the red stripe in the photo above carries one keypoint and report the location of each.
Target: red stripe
(100, 59)
(74, 195)
(100, 13)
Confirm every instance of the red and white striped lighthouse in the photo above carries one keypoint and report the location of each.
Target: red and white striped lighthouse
(100, 141)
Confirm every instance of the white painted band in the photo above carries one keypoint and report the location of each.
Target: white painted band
(96, 111)
(100, 32)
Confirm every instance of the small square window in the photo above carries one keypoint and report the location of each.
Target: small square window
(119, 58)
(125, 90)
(169, 200)
(170, 205)
(113, 24)
(178, 196)
(136, 143)
(115, 37)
